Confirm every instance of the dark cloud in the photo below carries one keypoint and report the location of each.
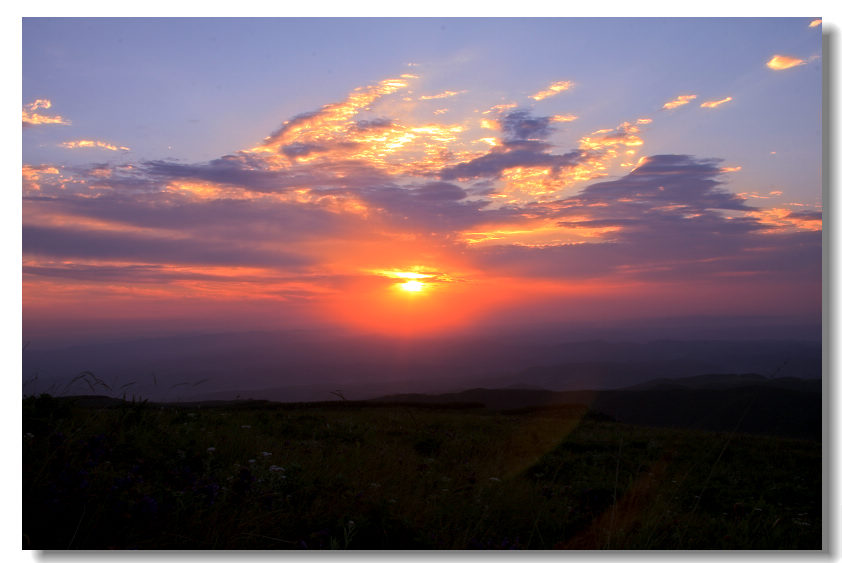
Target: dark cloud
(432, 207)
(439, 191)
(673, 221)
(250, 173)
(511, 155)
(805, 215)
(521, 126)
(233, 219)
(294, 150)
(64, 243)
(288, 125)
(369, 124)
(134, 273)
(523, 145)
(663, 186)
(230, 170)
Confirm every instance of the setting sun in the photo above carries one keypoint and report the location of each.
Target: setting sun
(412, 285)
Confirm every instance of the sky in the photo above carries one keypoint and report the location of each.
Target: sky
(417, 176)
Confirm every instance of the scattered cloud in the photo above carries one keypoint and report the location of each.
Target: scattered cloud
(359, 182)
(499, 108)
(783, 62)
(31, 116)
(679, 101)
(552, 90)
(82, 144)
(669, 218)
(445, 94)
(715, 103)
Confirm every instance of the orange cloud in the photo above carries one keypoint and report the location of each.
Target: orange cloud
(713, 104)
(816, 23)
(32, 175)
(564, 118)
(331, 121)
(782, 219)
(337, 132)
(537, 233)
(552, 90)
(783, 62)
(85, 144)
(30, 115)
(541, 183)
(679, 101)
(445, 94)
(499, 108)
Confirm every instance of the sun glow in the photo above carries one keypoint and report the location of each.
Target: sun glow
(412, 285)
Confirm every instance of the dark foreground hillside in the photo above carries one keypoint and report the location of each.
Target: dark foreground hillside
(786, 407)
(258, 475)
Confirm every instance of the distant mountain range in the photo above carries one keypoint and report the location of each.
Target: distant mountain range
(313, 365)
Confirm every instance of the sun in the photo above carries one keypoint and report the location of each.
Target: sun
(412, 285)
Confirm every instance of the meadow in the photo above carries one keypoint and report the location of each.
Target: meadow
(357, 475)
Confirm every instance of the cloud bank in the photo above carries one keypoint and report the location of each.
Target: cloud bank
(357, 186)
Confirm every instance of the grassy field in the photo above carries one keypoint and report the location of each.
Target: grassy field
(358, 476)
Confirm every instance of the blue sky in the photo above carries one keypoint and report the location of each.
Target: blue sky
(198, 89)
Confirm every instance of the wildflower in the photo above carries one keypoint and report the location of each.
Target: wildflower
(252, 460)
(29, 435)
(265, 454)
(276, 468)
(246, 426)
(211, 450)
(495, 479)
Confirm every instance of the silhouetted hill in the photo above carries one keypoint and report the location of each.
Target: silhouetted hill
(755, 406)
